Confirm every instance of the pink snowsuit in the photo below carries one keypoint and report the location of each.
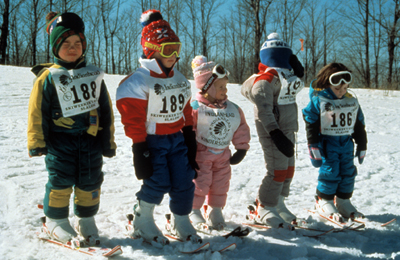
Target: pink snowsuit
(216, 128)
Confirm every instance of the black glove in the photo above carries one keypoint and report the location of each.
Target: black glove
(190, 141)
(109, 153)
(38, 152)
(142, 161)
(283, 144)
(238, 156)
(296, 65)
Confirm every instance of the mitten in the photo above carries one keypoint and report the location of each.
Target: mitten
(315, 155)
(238, 156)
(142, 161)
(283, 143)
(191, 143)
(38, 152)
(296, 65)
(360, 155)
(109, 153)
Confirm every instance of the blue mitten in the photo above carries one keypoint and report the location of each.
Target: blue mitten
(315, 155)
(361, 156)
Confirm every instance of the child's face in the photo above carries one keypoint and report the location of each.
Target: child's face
(340, 90)
(166, 62)
(71, 49)
(221, 89)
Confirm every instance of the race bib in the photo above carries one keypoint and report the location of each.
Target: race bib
(167, 99)
(339, 116)
(291, 85)
(78, 90)
(216, 127)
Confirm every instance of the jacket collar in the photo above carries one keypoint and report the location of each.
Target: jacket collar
(81, 62)
(156, 68)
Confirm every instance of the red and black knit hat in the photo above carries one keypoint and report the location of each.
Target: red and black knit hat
(155, 30)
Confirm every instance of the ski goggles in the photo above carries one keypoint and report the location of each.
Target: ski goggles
(340, 77)
(166, 49)
(218, 72)
(68, 20)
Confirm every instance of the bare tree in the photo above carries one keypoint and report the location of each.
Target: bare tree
(259, 9)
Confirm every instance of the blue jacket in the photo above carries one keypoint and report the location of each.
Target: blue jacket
(312, 118)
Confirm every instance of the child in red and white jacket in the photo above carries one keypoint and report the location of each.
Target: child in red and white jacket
(217, 122)
(154, 103)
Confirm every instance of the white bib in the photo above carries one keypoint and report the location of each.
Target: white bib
(78, 90)
(216, 127)
(338, 116)
(167, 98)
(291, 85)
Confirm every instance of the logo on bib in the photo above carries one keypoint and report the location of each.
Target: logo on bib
(159, 89)
(329, 107)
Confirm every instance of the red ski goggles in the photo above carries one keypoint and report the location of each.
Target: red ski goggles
(340, 77)
(166, 49)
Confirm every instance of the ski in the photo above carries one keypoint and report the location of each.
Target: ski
(237, 232)
(230, 247)
(79, 245)
(342, 225)
(93, 251)
(367, 221)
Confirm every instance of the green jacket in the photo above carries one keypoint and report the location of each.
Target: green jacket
(45, 116)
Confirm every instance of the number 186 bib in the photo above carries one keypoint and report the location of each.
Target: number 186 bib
(338, 116)
(78, 90)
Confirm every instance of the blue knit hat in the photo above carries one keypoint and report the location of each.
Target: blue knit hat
(275, 52)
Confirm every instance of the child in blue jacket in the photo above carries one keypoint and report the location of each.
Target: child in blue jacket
(334, 122)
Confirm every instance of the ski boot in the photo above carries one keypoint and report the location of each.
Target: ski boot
(198, 221)
(86, 227)
(144, 225)
(60, 230)
(327, 209)
(269, 216)
(180, 227)
(215, 218)
(347, 210)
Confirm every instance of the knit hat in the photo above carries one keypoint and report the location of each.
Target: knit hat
(202, 71)
(61, 26)
(155, 30)
(275, 52)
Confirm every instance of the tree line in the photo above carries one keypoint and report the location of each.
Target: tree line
(363, 34)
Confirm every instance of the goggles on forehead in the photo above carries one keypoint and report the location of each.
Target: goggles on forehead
(340, 77)
(166, 49)
(68, 20)
(218, 72)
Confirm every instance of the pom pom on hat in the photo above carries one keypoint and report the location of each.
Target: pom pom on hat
(201, 66)
(275, 52)
(202, 71)
(150, 16)
(155, 30)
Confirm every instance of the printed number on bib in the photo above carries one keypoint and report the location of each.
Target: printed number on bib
(343, 120)
(85, 91)
(291, 85)
(173, 106)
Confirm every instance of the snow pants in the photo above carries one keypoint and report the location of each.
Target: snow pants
(172, 173)
(212, 182)
(338, 172)
(73, 162)
(280, 169)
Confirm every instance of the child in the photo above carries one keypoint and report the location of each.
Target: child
(217, 122)
(70, 120)
(155, 110)
(273, 91)
(333, 120)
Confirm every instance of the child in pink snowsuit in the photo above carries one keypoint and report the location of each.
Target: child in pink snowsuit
(217, 122)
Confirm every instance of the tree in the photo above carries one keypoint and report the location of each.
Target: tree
(259, 9)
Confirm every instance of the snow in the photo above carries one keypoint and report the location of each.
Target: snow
(22, 186)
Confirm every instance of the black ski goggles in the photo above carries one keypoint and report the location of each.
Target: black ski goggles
(218, 72)
(68, 20)
(340, 77)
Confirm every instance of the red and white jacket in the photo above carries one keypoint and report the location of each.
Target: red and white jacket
(151, 102)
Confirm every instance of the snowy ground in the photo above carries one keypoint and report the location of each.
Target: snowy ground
(22, 181)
